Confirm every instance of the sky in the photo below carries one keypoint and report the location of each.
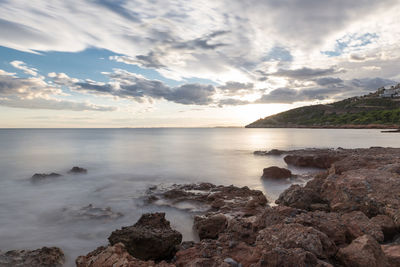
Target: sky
(188, 63)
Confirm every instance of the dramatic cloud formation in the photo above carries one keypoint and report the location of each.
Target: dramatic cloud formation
(208, 53)
(35, 93)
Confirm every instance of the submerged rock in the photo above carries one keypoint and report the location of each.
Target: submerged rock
(151, 238)
(92, 212)
(275, 172)
(43, 257)
(42, 176)
(77, 170)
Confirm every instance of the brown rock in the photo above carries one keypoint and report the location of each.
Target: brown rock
(295, 257)
(275, 172)
(363, 252)
(113, 256)
(275, 215)
(392, 253)
(387, 226)
(299, 197)
(329, 223)
(209, 226)
(358, 224)
(151, 238)
(296, 236)
(317, 160)
(43, 257)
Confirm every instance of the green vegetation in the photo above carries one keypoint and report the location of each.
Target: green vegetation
(357, 111)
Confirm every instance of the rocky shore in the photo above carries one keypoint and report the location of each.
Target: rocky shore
(348, 214)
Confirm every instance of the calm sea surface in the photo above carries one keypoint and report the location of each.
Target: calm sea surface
(123, 163)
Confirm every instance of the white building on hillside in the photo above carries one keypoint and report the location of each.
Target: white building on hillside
(391, 93)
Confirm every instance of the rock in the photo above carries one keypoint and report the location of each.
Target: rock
(210, 226)
(206, 197)
(275, 172)
(151, 238)
(358, 224)
(41, 176)
(212, 253)
(330, 223)
(295, 235)
(77, 170)
(392, 253)
(275, 215)
(43, 257)
(295, 257)
(318, 160)
(115, 256)
(299, 197)
(387, 226)
(363, 252)
(232, 262)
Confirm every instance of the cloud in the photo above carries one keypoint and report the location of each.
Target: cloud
(53, 104)
(334, 90)
(306, 73)
(35, 93)
(22, 66)
(124, 84)
(146, 61)
(328, 80)
(219, 40)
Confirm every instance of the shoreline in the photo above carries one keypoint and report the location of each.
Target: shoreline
(349, 208)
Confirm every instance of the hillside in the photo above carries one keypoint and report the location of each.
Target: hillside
(369, 111)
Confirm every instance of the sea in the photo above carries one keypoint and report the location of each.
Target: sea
(123, 163)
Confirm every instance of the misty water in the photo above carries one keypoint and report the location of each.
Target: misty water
(123, 163)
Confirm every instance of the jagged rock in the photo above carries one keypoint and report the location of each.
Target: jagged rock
(210, 226)
(275, 215)
(114, 256)
(294, 257)
(363, 252)
(330, 223)
(41, 176)
(392, 253)
(387, 226)
(317, 160)
(77, 170)
(212, 253)
(275, 172)
(296, 236)
(151, 238)
(299, 197)
(358, 224)
(207, 197)
(43, 257)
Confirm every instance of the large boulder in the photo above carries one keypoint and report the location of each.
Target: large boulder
(43, 257)
(275, 172)
(363, 252)
(210, 226)
(299, 197)
(151, 238)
